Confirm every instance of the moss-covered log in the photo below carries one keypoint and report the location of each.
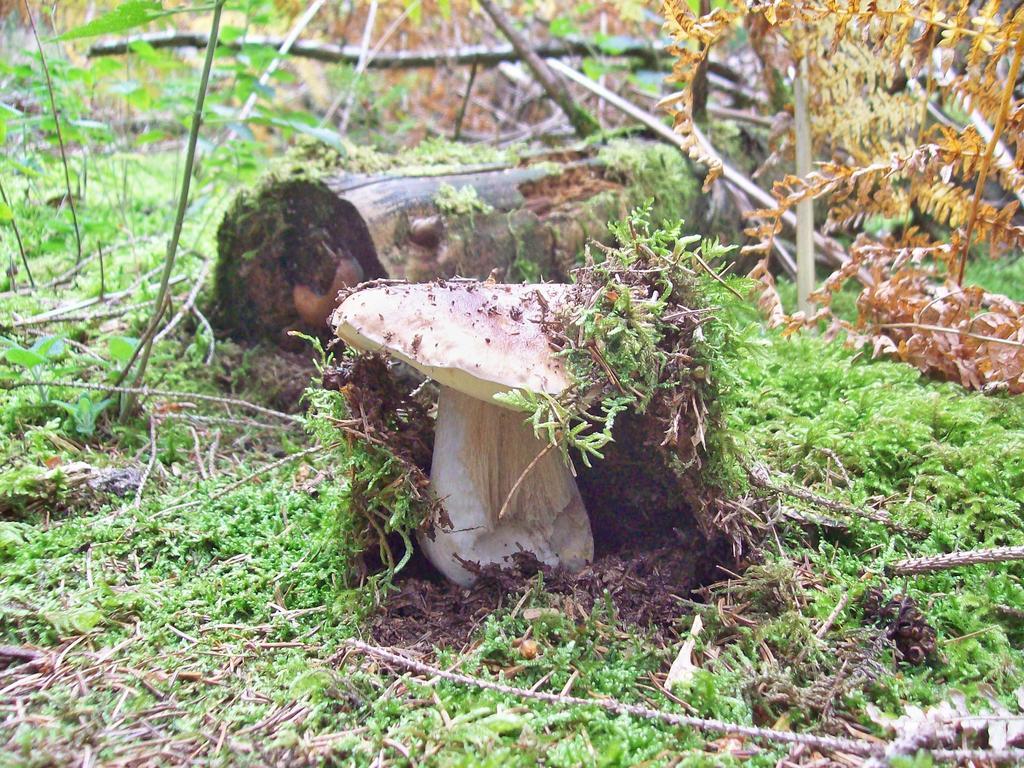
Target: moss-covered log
(322, 221)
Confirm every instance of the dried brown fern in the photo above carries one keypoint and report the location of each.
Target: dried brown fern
(930, 189)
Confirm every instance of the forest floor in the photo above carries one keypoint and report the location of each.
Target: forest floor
(203, 616)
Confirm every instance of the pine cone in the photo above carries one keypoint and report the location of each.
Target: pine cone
(905, 625)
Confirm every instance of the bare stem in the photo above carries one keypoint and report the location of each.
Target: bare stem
(986, 161)
(172, 246)
(805, 208)
(60, 136)
(17, 236)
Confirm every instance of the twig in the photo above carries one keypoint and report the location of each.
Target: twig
(805, 208)
(716, 276)
(529, 468)
(761, 477)
(194, 418)
(147, 392)
(959, 331)
(860, 747)
(190, 301)
(949, 560)
(465, 103)
(582, 121)
(286, 45)
(667, 134)
(17, 237)
(253, 475)
(829, 743)
(150, 464)
(85, 317)
(60, 136)
(179, 219)
(364, 47)
(110, 298)
(482, 55)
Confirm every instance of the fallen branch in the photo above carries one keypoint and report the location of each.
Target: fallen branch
(481, 55)
(944, 562)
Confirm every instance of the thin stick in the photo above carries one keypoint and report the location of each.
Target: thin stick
(805, 208)
(60, 136)
(103, 276)
(664, 132)
(17, 237)
(364, 48)
(944, 562)
(150, 464)
(190, 301)
(761, 477)
(465, 103)
(582, 121)
(946, 329)
(830, 743)
(252, 476)
(716, 276)
(172, 247)
(860, 747)
(147, 392)
(827, 624)
(300, 24)
(110, 298)
(482, 55)
(85, 317)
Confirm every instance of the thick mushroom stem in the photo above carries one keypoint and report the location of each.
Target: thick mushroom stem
(480, 451)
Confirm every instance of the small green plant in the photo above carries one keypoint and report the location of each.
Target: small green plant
(84, 413)
(37, 361)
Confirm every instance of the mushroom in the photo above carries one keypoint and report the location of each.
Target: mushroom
(502, 488)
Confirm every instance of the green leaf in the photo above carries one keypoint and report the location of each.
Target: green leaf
(445, 6)
(6, 214)
(128, 15)
(25, 358)
(121, 348)
(50, 346)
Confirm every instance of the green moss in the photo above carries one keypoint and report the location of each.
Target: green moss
(659, 173)
(461, 201)
(433, 156)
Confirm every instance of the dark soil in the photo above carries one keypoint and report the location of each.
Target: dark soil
(645, 587)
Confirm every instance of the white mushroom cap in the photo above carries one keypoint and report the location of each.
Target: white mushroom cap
(478, 338)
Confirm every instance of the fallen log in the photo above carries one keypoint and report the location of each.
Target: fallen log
(321, 222)
(650, 54)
